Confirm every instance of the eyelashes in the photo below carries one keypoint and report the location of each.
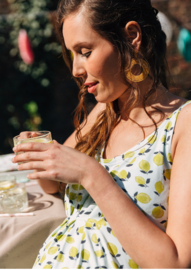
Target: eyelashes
(86, 54)
(82, 54)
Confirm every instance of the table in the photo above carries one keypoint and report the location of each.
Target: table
(22, 237)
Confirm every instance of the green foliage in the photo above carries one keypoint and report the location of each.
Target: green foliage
(26, 91)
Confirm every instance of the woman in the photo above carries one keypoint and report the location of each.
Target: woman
(120, 210)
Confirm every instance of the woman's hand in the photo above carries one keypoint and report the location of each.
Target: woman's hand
(49, 186)
(53, 162)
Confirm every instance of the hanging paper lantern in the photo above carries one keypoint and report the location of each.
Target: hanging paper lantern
(25, 47)
(166, 26)
(184, 44)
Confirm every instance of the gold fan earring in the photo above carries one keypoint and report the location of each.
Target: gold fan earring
(144, 73)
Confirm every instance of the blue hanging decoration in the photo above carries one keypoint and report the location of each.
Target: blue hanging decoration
(184, 44)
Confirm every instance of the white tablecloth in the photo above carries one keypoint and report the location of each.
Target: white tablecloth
(22, 237)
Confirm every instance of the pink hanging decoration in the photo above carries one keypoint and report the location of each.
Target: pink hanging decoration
(25, 47)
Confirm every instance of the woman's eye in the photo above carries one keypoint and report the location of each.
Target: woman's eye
(86, 54)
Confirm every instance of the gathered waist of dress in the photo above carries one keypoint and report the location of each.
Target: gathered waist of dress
(88, 221)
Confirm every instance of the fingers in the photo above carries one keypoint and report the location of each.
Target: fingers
(31, 147)
(33, 165)
(29, 134)
(28, 156)
(46, 175)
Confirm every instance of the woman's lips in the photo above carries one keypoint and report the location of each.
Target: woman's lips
(92, 87)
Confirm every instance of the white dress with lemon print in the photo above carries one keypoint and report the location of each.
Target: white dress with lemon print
(85, 239)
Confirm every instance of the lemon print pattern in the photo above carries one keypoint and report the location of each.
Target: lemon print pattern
(158, 159)
(144, 166)
(73, 252)
(85, 239)
(167, 174)
(157, 212)
(128, 155)
(133, 265)
(140, 180)
(143, 198)
(159, 187)
(70, 240)
(112, 249)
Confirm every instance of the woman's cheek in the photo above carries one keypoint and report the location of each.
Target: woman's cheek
(95, 67)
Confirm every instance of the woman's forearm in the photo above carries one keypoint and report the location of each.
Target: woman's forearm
(145, 243)
(49, 186)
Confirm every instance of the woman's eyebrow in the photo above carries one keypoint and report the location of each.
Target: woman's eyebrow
(82, 44)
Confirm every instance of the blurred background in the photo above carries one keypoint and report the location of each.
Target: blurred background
(38, 93)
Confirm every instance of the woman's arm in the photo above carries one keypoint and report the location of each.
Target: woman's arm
(52, 187)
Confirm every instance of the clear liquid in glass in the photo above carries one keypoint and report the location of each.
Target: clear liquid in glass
(15, 201)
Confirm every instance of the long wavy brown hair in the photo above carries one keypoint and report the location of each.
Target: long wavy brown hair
(108, 18)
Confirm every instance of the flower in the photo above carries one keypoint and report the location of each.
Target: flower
(25, 47)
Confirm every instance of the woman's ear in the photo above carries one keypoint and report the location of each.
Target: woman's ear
(134, 33)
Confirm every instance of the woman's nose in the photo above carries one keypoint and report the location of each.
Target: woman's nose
(78, 70)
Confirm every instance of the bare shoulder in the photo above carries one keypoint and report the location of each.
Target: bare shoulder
(179, 221)
(71, 141)
(182, 129)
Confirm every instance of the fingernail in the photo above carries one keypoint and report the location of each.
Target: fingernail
(13, 160)
(14, 148)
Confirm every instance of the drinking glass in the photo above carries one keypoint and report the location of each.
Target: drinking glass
(15, 200)
(7, 182)
(42, 137)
